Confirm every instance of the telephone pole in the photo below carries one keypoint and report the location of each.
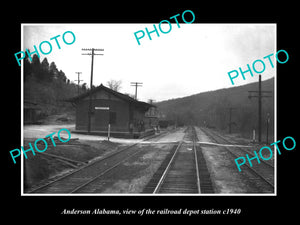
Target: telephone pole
(136, 84)
(78, 73)
(268, 121)
(92, 53)
(260, 96)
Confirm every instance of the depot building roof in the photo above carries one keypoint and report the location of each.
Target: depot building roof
(115, 93)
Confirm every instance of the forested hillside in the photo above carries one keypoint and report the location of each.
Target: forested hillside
(46, 87)
(212, 108)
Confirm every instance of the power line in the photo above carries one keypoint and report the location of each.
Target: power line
(92, 53)
(136, 84)
(78, 73)
(259, 96)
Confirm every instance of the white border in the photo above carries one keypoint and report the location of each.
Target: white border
(152, 195)
(22, 116)
(275, 115)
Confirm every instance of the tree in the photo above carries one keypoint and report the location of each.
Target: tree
(114, 84)
(27, 68)
(36, 67)
(53, 70)
(84, 88)
(61, 76)
(45, 76)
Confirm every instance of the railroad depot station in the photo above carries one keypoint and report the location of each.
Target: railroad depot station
(127, 117)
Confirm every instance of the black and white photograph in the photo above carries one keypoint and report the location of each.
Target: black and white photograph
(148, 118)
(138, 112)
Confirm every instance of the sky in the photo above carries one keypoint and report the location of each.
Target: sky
(188, 60)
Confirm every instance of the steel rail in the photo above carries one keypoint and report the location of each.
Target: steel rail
(249, 152)
(92, 163)
(250, 168)
(197, 168)
(161, 180)
(104, 172)
(171, 162)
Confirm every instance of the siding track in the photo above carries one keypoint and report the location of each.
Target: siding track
(261, 174)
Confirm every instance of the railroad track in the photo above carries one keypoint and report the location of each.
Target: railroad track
(261, 174)
(76, 180)
(184, 170)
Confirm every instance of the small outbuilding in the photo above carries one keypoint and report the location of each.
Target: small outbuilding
(32, 113)
(127, 117)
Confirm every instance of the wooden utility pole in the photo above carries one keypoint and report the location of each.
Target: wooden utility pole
(78, 73)
(136, 84)
(92, 53)
(268, 121)
(259, 109)
(260, 96)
